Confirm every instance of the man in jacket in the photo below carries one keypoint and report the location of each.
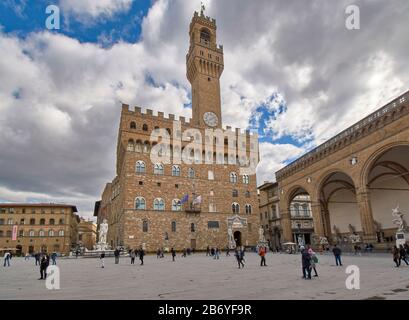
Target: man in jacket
(45, 261)
(141, 255)
(306, 263)
(116, 254)
(337, 253)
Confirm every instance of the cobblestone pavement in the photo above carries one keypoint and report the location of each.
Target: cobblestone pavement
(201, 277)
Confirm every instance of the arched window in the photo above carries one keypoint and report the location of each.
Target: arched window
(51, 233)
(176, 205)
(138, 146)
(191, 173)
(131, 146)
(158, 204)
(140, 167)
(246, 179)
(235, 193)
(248, 208)
(31, 233)
(146, 147)
(145, 226)
(42, 222)
(176, 171)
(145, 127)
(41, 233)
(133, 125)
(173, 226)
(192, 227)
(158, 169)
(233, 177)
(205, 36)
(52, 222)
(140, 203)
(235, 208)
(61, 233)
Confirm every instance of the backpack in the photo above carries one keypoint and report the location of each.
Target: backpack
(314, 258)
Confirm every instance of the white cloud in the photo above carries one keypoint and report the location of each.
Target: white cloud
(89, 10)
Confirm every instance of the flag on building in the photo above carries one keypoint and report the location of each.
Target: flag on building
(197, 200)
(184, 199)
(14, 233)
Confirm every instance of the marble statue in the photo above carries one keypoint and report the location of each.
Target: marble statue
(232, 243)
(399, 221)
(103, 231)
(261, 237)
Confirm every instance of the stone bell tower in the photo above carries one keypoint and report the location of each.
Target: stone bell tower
(204, 66)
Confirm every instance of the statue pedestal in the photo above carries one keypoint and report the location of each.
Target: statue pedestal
(401, 238)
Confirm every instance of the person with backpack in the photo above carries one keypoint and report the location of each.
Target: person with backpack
(173, 254)
(313, 261)
(45, 261)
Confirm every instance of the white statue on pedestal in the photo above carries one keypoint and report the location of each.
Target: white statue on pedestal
(103, 231)
(232, 243)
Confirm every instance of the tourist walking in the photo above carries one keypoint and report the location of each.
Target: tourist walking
(77, 252)
(45, 261)
(158, 253)
(132, 254)
(239, 257)
(37, 258)
(242, 253)
(212, 252)
(207, 251)
(54, 258)
(402, 255)
(7, 259)
(396, 255)
(216, 253)
(184, 253)
(102, 259)
(116, 254)
(27, 257)
(313, 261)
(227, 251)
(305, 263)
(262, 254)
(141, 255)
(337, 254)
(173, 254)
(162, 255)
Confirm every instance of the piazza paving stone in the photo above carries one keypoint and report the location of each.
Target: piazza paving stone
(201, 277)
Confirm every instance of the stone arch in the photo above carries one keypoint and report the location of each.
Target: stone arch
(371, 160)
(385, 178)
(292, 192)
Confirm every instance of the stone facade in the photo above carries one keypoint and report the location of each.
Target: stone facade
(87, 234)
(301, 219)
(40, 227)
(343, 175)
(143, 203)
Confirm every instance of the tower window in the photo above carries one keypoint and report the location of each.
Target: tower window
(205, 35)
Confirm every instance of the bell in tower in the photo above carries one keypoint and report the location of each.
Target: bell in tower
(204, 64)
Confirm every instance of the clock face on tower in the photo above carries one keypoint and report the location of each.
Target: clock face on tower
(210, 119)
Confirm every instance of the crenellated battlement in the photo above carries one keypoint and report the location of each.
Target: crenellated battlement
(150, 114)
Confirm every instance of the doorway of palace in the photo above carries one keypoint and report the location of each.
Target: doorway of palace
(19, 249)
(237, 238)
(31, 249)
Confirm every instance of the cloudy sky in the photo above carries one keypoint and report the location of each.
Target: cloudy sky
(293, 71)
